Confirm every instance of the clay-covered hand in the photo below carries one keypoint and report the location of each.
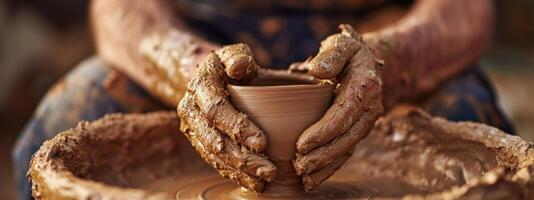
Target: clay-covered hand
(326, 145)
(224, 137)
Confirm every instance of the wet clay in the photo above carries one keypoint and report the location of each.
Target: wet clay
(283, 107)
(408, 155)
(224, 137)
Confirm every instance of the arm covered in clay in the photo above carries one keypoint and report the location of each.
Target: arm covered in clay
(436, 41)
(147, 41)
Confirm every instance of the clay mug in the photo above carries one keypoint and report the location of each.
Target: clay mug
(283, 106)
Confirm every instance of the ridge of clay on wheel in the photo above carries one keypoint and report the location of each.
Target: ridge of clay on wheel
(407, 155)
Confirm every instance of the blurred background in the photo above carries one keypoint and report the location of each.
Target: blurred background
(41, 40)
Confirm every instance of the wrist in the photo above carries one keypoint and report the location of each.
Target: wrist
(172, 58)
(398, 80)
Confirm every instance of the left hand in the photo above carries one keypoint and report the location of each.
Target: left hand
(326, 145)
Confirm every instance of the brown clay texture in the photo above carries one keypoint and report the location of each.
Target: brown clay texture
(407, 155)
(224, 137)
(282, 107)
(117, 157)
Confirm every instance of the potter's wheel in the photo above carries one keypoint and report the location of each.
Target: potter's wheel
(407, 155)
(215, 187)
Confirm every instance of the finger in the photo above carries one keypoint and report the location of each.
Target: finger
(214, 142)
(208, 87)
(251, 163)
(238, 60)
(334, 53)
(311, 181)
(322, 156)
(360, 87)
(299, 66)
(231, 154)
(225, 170)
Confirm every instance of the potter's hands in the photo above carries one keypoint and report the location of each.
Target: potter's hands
(327, 144)
(224, 137)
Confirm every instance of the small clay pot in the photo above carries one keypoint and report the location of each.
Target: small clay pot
(283, 106)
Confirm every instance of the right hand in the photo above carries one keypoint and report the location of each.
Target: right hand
(325, 146)
(224, 137)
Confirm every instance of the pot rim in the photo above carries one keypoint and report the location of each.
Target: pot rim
(278, 87)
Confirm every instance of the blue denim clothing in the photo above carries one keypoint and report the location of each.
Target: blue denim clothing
(84, 94)
(468, 97)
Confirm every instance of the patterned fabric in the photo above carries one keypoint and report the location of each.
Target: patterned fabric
(282, 32)
(468, 97)
(88, 92)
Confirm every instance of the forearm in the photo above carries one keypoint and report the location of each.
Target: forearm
(435, 41)
(146, 41)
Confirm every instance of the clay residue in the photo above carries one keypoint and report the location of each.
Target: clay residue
(171, 62)
(225, 138)
(409, 152)
(407, 155)
(325, 146)
(105, 157)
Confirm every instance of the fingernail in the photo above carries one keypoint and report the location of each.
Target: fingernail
(257, 142)
(299, 169)
(266, 172)
(240, 66)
